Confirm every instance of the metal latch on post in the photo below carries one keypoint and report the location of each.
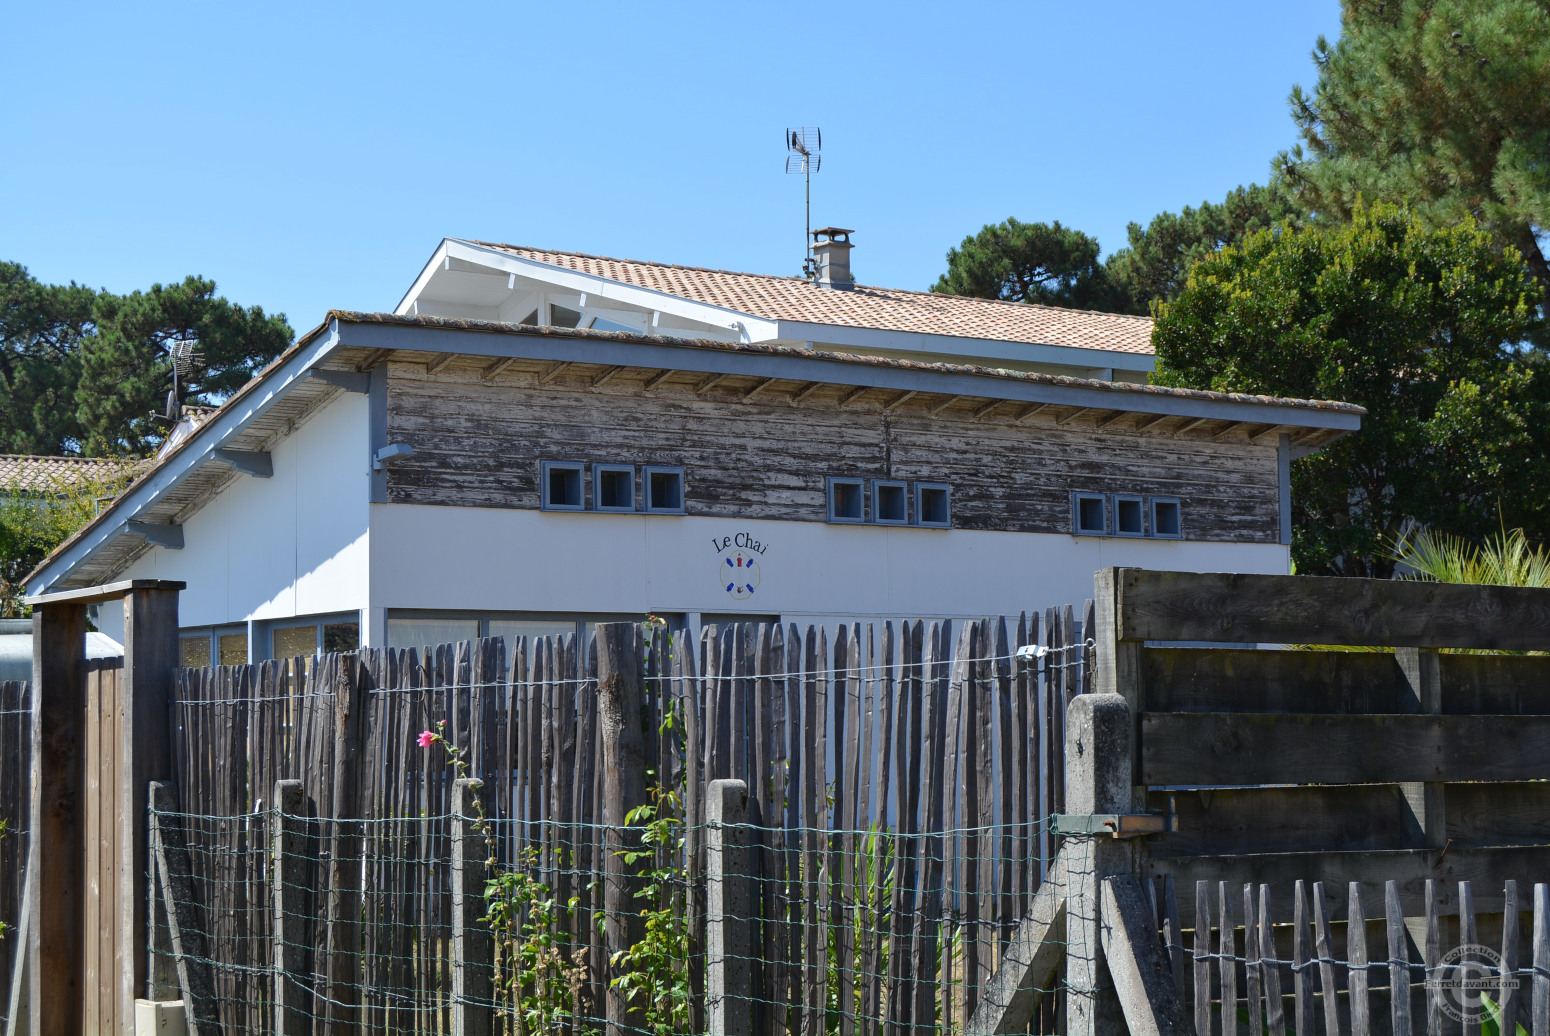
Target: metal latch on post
(1117, 825)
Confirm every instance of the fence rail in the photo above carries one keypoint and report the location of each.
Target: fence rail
(899, 780)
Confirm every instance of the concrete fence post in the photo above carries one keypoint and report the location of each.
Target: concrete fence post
(473, 945)
(730, 920)
(1099, 739)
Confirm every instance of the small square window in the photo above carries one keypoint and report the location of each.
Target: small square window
(847, 500)
(613, 487)
(665, 490)
(933, 505)
(561, 482)
(1088, 515)
(1129, 514)
(1167, 521)
(890, 502)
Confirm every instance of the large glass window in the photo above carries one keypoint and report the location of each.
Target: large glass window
(419, 633)
(291, 641)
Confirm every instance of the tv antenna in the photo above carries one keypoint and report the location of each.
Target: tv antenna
(804, 144)
(181, 351)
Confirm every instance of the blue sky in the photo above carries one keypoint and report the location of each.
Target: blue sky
(310, 156)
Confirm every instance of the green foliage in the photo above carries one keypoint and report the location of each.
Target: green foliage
(1491, 1024)
(1044, 263)
(81, 371)
(1505, 559)
(37, 517)
(655, 975)
(42, 327)
(1443, 105)
(1416, 324)
(1154, 266)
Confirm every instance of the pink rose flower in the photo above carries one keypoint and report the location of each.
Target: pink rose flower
(427, 739)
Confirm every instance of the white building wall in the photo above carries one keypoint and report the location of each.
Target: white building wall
(293, 544)
(487, 559)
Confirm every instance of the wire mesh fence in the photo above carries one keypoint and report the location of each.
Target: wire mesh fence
(899, 782)
(884, 944)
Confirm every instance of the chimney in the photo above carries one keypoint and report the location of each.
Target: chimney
(831, 256)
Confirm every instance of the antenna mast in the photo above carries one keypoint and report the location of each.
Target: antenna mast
(805, 143)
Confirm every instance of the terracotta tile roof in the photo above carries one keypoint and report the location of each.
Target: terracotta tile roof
(888, 309)
(39, 474)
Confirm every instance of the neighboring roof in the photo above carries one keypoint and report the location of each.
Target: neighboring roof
(348, 343)
(887, 309)
(41, 474)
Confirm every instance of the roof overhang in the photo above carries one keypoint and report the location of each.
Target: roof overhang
(349, 344)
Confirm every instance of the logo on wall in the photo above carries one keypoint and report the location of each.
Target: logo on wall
(737, 564)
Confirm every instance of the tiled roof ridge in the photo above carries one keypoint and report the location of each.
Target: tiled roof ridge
(802, 280)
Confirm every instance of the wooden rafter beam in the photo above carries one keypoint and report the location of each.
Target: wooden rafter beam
(1266, 432)
(1155, 419)
(1190, 426)
(1072, 416)
(987, 408)
(899, 400)
(808, 390)
(937, 408)
(709, 383)
(437, 363)
(854, 394)
(658, 378)
(489, 373)
(1029, 411)
(1104, 422)
(603, 377)
(1232, 426)
(373, 358)
(552, 371)
(760, 387)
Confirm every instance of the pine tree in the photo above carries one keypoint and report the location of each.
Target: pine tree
(1443, 105)
(1153, 268)
(41, 329)
(1044, 263)
(126, 371)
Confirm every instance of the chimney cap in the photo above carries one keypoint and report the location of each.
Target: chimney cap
(831, 233)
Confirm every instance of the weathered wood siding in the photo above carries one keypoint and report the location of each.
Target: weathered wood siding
(478, 443)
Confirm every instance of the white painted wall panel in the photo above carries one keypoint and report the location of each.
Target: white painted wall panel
(293, 544)
(490, 559)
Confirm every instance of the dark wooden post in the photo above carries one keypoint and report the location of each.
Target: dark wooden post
(144, 755)
(55, 941)
(291, 994)
(342, 947)
(57, 945)
(473, 947)
(624, 788)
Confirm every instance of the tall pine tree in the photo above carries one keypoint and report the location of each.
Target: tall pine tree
(1442, 105)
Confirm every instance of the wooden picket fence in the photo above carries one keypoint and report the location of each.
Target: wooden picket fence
(1403, 759)
(1465, 976)
(15, 789)
(900, 778)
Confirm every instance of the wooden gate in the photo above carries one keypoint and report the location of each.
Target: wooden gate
(1391, 734)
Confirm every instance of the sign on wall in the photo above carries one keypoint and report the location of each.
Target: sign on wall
(738, 568)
